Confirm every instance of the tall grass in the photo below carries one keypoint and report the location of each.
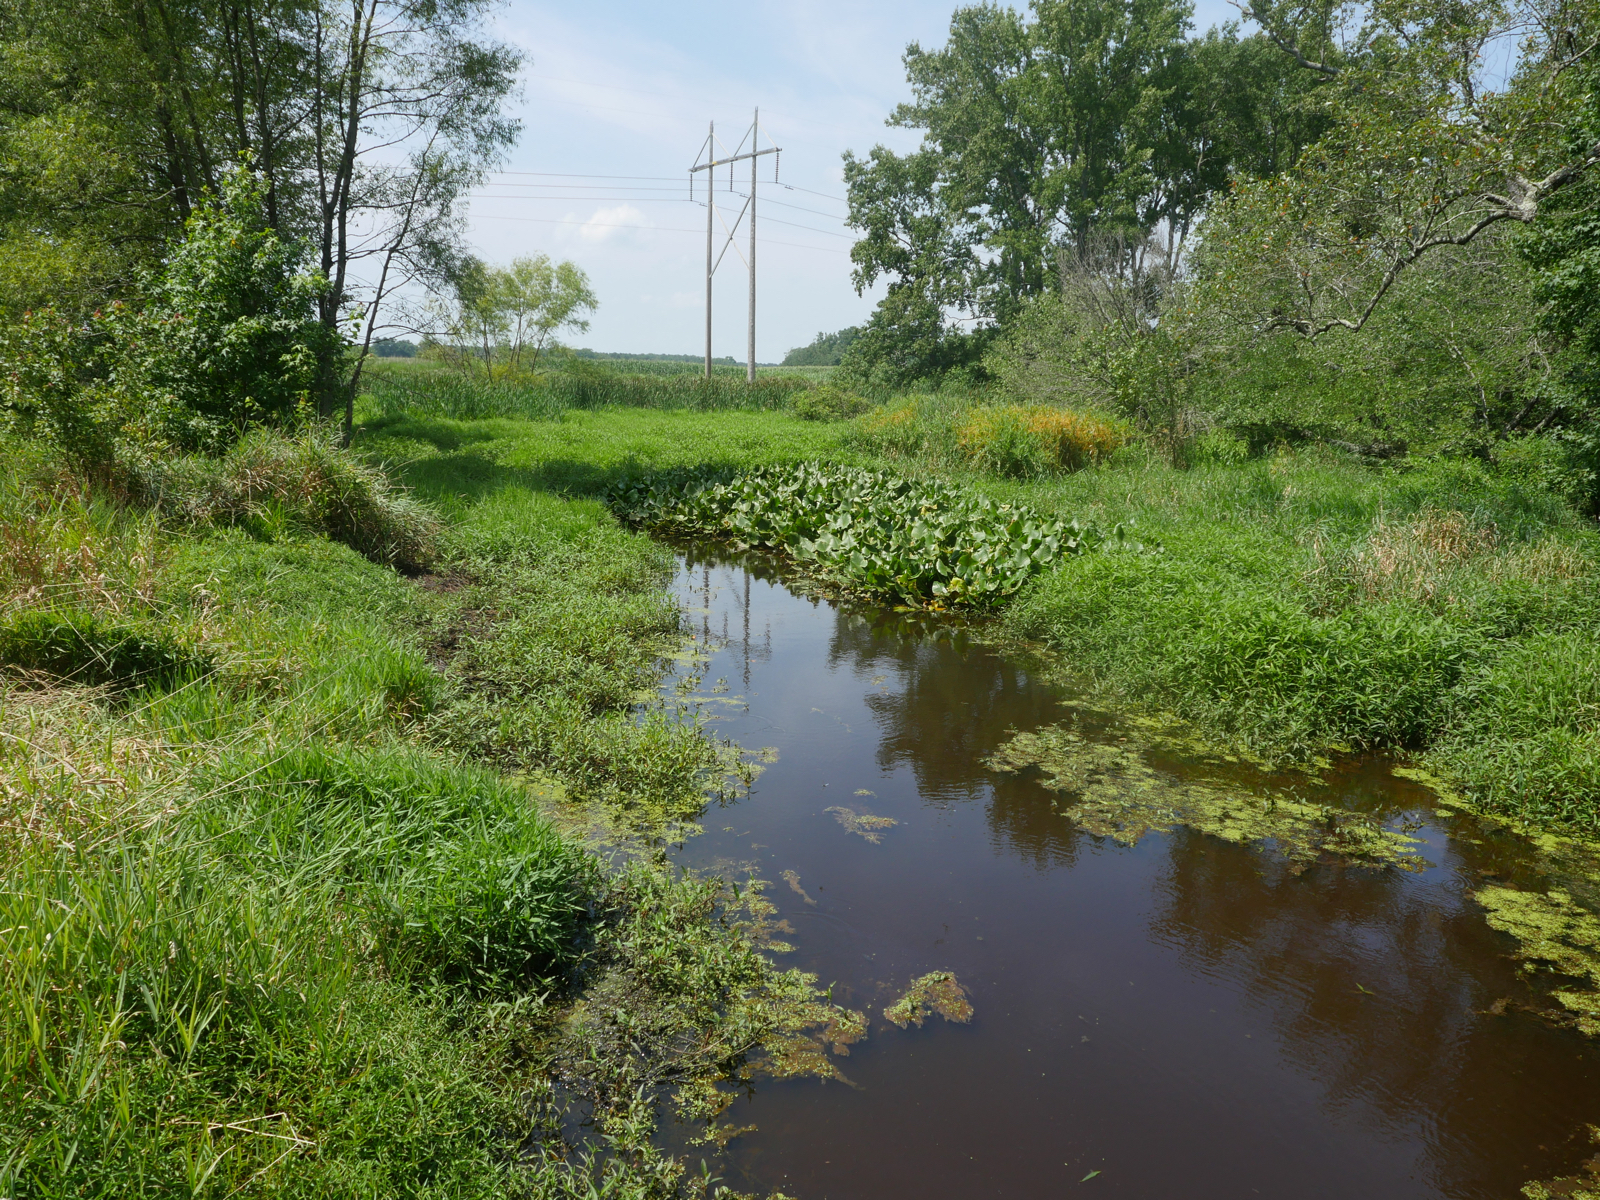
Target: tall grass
(957, 432)
(546, 395)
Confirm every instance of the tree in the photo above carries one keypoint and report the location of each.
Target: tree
(499, 314)
(1426, 149)
(538, 299)
(1094, 120)
(825, 350)
(366, 119)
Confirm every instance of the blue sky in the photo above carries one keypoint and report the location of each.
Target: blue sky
(616, 102)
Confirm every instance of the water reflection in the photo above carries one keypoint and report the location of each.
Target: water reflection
(1186, 1016)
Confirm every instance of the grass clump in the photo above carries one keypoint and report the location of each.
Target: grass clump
(270, 483)
(78, 647)
(1523, 738)
(1025, 440)
(1018, 441)
(910, 542)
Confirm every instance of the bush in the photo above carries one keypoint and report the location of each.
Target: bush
(1035, 439)
(827, 403)
(228, 339)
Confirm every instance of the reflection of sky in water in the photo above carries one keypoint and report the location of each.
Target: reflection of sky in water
(1184, 1016)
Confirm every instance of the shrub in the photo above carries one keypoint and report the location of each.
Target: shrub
(1035, 439)
(827, 403)
(229, 339)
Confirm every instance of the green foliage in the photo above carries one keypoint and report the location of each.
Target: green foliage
(906, 541)
(827, 403)
(825, 350)
(228, 338)
(546, 395)
(79, 647)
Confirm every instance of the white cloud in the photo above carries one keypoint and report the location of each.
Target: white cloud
(608, 223)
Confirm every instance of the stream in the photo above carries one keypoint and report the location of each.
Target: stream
(1184, 1016)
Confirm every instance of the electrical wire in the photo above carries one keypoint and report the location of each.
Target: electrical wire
(644, 199)
(658, 228)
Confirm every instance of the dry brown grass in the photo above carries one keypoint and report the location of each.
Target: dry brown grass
(58, 546)
(1426, 559)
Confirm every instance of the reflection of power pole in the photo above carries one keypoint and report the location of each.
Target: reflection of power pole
(708, 153)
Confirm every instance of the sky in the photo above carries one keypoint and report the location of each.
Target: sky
(616, 101)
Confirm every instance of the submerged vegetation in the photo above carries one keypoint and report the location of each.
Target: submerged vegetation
(1556, 935)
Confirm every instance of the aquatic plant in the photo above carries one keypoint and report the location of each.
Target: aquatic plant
(936, 994)
(863, 825)
(1120, 796)
(1555, 933)
(913, 542)
(1583, 1186)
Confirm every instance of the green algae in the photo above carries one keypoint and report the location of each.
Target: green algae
(935, 994)
(792, 878)
(862, 824)
(1120, 796)
(1555, 934)
(1583, 1186)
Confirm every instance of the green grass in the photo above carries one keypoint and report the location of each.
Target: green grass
(272, 919)
(1301, 603)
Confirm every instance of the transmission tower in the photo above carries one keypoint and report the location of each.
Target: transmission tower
(708, 161)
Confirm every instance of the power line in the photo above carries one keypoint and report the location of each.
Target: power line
(641, 199)
(657, 179)
(650, 228)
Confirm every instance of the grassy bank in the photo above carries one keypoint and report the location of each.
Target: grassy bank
(1301, 603)
(280, 910)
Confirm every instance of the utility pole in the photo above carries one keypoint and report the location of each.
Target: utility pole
(711, 214)
(710, 163)
(750, 366)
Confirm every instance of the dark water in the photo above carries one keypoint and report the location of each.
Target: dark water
(1186, 1017)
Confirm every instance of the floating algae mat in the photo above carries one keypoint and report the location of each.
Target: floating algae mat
(1557, 935)
(1117, 794)
(936, 994)
(1138, 967)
